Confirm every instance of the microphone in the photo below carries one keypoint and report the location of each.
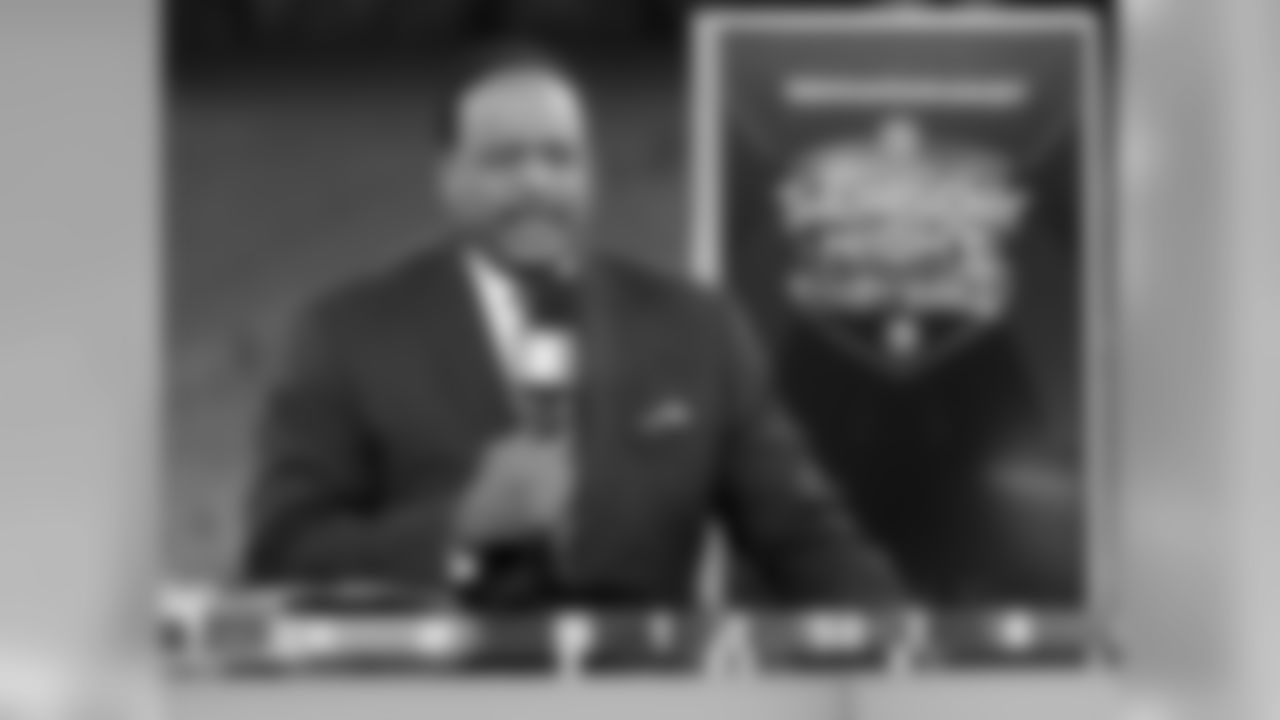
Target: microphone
(548, 377)
(522, 573)
(547, 362)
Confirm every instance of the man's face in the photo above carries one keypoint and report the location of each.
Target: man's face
(520, 170)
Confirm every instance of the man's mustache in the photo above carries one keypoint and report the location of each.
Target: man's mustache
(540, 211)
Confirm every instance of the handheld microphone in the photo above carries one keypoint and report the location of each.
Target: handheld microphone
(547, 366)
(523, 573)
(549, 376)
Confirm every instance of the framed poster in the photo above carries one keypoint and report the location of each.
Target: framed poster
(910, 208)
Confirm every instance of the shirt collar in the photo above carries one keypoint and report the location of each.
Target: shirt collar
(502, 311)
(491, 280)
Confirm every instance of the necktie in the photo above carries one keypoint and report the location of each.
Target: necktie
(551, 299)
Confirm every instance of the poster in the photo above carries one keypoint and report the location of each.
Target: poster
(908, 208)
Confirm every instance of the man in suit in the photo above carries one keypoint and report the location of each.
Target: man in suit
(407, 444)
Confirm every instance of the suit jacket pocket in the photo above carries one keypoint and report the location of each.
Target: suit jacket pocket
(666, 433)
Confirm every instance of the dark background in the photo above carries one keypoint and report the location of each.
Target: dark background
(298, 154)
(204, 34)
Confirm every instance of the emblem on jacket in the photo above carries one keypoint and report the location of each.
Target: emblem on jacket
(900, 240)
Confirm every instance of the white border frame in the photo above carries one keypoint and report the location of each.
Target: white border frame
(1201, 521)
(1098, 294)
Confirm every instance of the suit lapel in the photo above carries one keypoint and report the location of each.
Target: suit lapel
(616, 349)
(453, 328)
(617, 339)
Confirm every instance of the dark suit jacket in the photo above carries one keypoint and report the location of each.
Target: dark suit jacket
(390, 395)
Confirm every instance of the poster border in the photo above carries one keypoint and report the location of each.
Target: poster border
(1098, 296)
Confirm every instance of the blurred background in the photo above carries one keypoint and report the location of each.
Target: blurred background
(299, 154)
(217, 32)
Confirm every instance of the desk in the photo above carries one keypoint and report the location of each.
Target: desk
(1013, 696)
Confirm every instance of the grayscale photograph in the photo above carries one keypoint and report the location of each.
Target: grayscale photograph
(654, 336)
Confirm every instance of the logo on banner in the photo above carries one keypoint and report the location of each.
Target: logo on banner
(900, 242)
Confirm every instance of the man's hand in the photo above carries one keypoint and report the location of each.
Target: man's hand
(521, 488)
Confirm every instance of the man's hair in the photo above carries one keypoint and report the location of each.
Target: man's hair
(508, 57)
